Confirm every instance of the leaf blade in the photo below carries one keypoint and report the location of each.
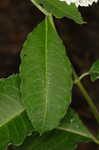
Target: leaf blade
(94, 71)
(12, 114)
(61, 139)
(50, 76)
(73, 124)
(60, 9)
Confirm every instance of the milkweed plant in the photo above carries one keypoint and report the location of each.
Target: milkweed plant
(35, 111)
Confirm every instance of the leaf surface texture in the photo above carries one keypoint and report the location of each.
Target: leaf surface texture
(72, 132)
(46, 77)
(14, 123)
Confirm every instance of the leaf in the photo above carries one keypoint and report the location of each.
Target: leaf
(61, 9)
(46, 77)
(15, 126)
(94, 71)
(55, 140)
(14, 123)
(73, 124)
(66, 139)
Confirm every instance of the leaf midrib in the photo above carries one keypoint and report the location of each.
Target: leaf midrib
(46, 79)
(79, 133)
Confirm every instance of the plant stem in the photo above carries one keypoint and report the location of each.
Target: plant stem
(81, 77)
(87, 98)
(40, 8)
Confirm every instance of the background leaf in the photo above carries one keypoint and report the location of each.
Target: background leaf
(61, 9)
(14, 124)
(65, 139)
(46, 78)
(94, 71)
(73, 124)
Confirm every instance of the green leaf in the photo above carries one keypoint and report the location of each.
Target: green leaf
(55, 140)
(15, 126)
(72, 131)
(46, 77)
(73, 124)
(61, 9)
(94, 71)
(14, 123)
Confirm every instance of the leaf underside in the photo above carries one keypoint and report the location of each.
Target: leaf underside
(46, 86)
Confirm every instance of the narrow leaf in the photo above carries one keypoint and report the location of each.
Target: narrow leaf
(46, 77)
(14, 123)
(60, 9)
(94, 71)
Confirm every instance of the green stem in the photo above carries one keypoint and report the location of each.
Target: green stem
(87, 98)
(40, 8)
(81, 77)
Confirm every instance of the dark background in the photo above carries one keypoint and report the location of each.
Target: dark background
(19, 17)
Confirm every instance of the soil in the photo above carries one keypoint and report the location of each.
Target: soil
(18, 18)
